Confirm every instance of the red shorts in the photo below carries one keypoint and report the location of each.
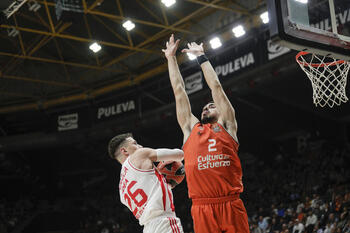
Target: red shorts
(217, 215)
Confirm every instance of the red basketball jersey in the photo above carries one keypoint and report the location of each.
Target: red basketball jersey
(212, 166)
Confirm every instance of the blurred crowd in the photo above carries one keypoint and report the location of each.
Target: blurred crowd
(301, 192)
(327, 214)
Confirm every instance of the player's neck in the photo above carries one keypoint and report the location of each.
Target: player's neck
(122, 159)
(210, 122)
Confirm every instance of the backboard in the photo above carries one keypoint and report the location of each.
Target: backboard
(317, 26)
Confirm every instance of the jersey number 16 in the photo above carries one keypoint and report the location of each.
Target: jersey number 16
(130, 195)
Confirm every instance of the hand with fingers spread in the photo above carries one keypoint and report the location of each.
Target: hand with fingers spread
(171, 47)
(194, 48)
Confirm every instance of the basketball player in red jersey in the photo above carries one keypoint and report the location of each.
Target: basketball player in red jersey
(213, 169)
(142, 188)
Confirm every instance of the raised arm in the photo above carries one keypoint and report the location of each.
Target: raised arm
(184, 115)
(227, 112)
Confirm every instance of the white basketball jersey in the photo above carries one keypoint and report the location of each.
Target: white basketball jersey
(145, 192)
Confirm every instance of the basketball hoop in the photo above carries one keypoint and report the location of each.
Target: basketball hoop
(328, 77)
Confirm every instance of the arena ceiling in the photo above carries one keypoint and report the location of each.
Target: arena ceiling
(49, 63)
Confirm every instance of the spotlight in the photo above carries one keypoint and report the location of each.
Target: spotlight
(265, 17)
(238, 31)
(168, 3)
(128, 25)
(302, 1)
(215, 43)
(95, 47)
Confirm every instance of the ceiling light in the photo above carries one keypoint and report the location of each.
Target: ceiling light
(95, 47)
(265, 17)
(168, 3)
(191, 56)
(128, 25)
(12, 32)
(34, 6)
(238, 31)
(302, 1)
(215, 43)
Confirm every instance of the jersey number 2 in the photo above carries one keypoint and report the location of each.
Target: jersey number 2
(212, 143)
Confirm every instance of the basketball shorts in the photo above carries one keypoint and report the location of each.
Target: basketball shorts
(218, 215)
(163, 225)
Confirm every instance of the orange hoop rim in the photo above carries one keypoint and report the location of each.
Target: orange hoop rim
(302, 53)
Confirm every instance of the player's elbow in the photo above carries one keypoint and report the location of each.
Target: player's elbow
(179, 153)
(215, 85)
(179, 90)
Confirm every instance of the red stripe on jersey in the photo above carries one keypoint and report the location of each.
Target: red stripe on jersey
(175, 226)
(171, 225)
(171, 199)
(160, 178)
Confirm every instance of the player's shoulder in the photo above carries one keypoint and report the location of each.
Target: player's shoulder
(143, 152)
(230, 128)
(142, 157)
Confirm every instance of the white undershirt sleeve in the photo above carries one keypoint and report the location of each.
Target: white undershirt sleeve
(169, 154)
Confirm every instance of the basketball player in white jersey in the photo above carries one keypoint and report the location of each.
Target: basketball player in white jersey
(142, 188)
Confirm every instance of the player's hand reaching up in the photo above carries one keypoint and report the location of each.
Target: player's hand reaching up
(194, 48)
(171, 47)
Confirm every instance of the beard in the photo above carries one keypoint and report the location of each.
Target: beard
(206, 120)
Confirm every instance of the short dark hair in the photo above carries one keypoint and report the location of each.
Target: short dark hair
(115, 143)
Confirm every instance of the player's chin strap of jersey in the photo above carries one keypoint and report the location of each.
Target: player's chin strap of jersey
(169, 154)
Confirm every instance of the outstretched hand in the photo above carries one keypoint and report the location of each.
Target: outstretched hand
(171, 47)
(194, 48)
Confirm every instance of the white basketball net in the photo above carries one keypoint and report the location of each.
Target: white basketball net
(328, 77)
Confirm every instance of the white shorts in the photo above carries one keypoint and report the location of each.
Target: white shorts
(164, 225)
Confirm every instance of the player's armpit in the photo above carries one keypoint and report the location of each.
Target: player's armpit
(231, 128)
(223, 104)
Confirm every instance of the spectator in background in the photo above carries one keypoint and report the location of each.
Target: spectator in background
(256, 229)
(300, 207)
(301, 216)
(346, 228)
(263, 224)
(315, 201)
(281, 210)
(290, 226)
(329, 228)
(310, 222)
(274, 225)
(298, 226)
